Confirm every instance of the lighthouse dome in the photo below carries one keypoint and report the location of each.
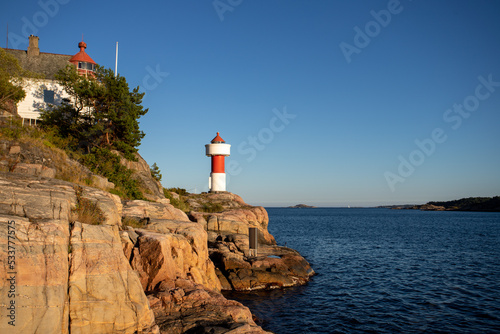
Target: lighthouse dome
(217, 139)
(82, 60)
(218, 147)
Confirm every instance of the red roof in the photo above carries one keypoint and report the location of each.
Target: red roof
(82, 55)
(218, 139)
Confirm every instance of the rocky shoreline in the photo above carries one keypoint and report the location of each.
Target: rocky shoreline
(228, 241)
(147, 267)
(479, 204)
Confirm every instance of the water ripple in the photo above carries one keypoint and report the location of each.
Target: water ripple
(387, 271)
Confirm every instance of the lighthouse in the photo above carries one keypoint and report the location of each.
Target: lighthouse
(85, 65)
(217, 150)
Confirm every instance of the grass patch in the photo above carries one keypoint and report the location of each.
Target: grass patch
(212, 207)
(86, 211)
(179, 203)
(59, 150)
(104, 162)
(134, 223)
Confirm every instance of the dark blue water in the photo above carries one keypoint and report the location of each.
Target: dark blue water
(386, 271)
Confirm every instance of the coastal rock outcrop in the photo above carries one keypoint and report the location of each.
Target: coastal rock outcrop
(170, 250)
(185, 307)
(428, 207)
(151, 188)
(45, 198)
(105, 295)
(34, 282)
(228, 237)
(145, 211)
(70, 277)
(273, 267)
(172, 260)
(35, 159)
(228, 214)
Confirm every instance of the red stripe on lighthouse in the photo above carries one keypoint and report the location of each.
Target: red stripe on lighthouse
(218, 164)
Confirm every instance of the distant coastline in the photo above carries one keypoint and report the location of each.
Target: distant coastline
(483, 204)
(301, 206)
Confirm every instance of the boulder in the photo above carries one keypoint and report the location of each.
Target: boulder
(27, 196)
(167, 250)
(101, 182)
(105, 294)
(237, 221)
(186, 307)
(147, 211)
(15, 149)
(36, 199)
(274, 267)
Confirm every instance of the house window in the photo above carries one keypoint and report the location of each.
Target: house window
(48, 96)
(83, 65)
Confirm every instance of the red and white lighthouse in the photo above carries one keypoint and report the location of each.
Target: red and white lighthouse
(217, 150)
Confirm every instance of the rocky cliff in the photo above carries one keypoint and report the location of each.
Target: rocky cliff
(228, 235)
(78, 259)
(63, 276)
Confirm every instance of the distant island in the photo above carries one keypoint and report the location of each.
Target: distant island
(487, 204)
(301, 206)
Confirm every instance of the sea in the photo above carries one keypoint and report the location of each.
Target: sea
(386, 271)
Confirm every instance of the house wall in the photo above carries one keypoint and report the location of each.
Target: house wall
(34, 102)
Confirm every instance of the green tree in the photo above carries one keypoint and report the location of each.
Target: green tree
(107, 111)
(155, 172)
(12, 77)
(65, 119)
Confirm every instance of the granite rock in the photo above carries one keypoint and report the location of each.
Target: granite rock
(146, 211)
(105, 294)
(69, 279)
(186, 307)
(45, 198)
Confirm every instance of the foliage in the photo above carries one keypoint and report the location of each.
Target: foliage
(102, 116)
(105, 112)
(87, 212)
(180, 203)
(104, 162)
(129, 221)
(180, 191)
(11, 79)
(63, 122)
(11, 128)
(155, 172)
(212, 207)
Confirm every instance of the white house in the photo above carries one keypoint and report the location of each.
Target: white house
(46, 92)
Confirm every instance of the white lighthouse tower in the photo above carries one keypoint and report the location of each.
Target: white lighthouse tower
(217, 150)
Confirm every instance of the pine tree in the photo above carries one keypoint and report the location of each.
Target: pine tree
(107, 111)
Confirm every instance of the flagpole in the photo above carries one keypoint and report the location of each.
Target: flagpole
(116, 60)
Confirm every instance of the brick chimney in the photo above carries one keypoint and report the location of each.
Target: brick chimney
(33, 49)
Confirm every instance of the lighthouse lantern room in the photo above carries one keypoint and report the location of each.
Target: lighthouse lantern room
(217, 150)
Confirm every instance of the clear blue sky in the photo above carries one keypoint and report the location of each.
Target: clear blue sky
(323, 102)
